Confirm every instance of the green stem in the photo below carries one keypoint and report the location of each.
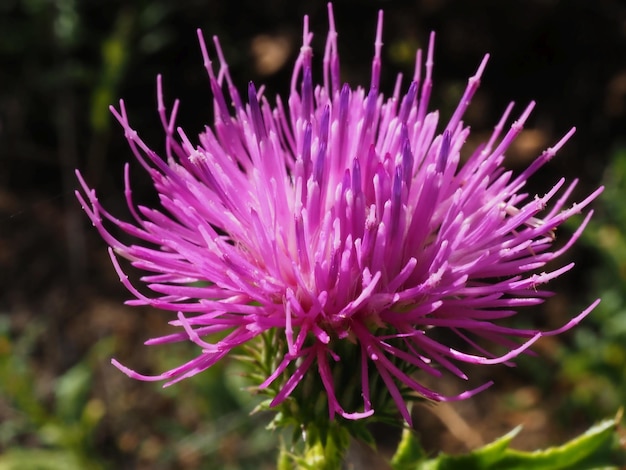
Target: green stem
(323, 449)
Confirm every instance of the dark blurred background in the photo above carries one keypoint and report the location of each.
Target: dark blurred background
(62, 62)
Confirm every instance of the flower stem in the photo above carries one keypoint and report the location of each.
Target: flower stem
(324, 449)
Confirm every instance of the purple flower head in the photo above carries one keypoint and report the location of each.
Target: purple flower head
(340, 220)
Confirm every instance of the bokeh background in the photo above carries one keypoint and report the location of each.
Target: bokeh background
(62, 62)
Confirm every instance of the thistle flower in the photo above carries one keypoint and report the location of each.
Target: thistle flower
(340, 220)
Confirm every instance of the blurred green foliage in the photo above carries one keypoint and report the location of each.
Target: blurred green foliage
(56, 425)
(596, 361)
(63, 431)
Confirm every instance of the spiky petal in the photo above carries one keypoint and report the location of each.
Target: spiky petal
(341, 217)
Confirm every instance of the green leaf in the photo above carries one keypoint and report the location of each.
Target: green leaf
(487, 457)
(597, 448)
(72, 389)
